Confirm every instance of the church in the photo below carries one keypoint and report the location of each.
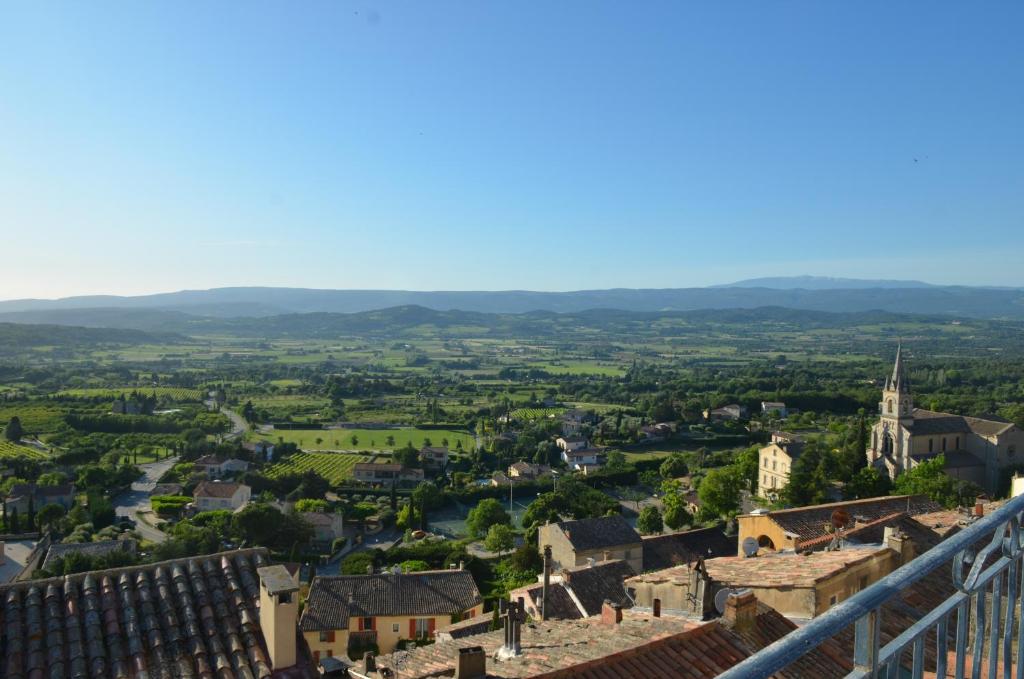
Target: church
(975, 449)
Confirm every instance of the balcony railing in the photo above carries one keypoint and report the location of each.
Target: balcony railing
(976, 632)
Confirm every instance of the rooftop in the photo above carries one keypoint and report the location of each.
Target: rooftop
(334, 599)
(216, 489)
(61, 550)
(187, 617)
(665, 551)
(604, 531)
(778, 569)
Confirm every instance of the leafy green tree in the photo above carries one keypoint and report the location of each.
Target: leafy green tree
(930, 478)
(677, 516)
(14, 431)
(746, 463)
(615, 461)
(720, 492)
(488, 512)
(867, 482)
(414, 566)
(354, 439)
(407, 456)
(390, 441)
(361, 563)
(311, 505)
(673, 467)
(499, 539)
(649, 522)
(48, 515)
(808, 477)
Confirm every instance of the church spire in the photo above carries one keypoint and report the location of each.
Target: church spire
(898, 381)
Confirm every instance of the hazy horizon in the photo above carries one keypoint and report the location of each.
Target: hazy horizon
(457, 146)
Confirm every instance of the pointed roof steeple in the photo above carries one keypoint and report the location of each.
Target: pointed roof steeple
(898, 381)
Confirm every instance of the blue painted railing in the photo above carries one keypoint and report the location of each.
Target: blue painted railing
(985, 579)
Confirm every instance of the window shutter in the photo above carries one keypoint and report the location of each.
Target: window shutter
(412, 628)
(430, 628)
(360, 624)
(373, 624)
(330, 636)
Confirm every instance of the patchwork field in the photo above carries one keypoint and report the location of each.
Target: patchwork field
(172, 393)
(370, 439)
(9, 450)
(335, 467)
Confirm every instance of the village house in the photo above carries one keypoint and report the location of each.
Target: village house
(975, 449)
(673, 549)
(584, 459)
(22, 495)
(776, 408)
(211, 495)
(731, 412)
(357, 611)
(574, 420)
(604, 538)
(327, 526)
(386, 473)
(527, 471)
(578, 592)
(568, 444)
(434, 457)
(775, 461)
(215, 467)
(799, 586)
(794, 529)
(653, 433)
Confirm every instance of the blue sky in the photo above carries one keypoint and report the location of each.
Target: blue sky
(554, 145)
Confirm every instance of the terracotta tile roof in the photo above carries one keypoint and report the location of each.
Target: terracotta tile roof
(377, 467)
(218, 489)
(547, 647)
(196, 617)
(932, 422)
(778, 569)
(480, 624)
(592, 585)
(809, 523)
(665, 551)
(597, 533)
(334, 599)
(641, 646)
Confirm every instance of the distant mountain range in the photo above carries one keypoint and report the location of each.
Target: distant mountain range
(804, 292)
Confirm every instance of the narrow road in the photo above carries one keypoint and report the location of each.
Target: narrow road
(131, 502)
(238, 424)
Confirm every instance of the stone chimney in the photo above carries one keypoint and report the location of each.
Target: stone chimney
(741, 610)
(900, 543)
(611, 613)
(279, 609)
(470, 663)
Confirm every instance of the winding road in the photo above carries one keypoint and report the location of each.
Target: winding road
(131, 502)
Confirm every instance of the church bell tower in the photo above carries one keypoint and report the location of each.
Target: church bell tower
(897, 403)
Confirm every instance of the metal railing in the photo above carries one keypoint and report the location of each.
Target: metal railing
(978, 623)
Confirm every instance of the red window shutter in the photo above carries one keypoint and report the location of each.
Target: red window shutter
(360, 624)
(412, 628)
(330, 637)
(316, 656)
(430, 628)
(373, 624)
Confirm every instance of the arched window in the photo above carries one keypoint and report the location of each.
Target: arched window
(888, 406)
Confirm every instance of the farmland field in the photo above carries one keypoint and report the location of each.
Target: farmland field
(8, 450)
(335, 467)
(536, 413)
(172, 393)
(36, 418)
(370, 439)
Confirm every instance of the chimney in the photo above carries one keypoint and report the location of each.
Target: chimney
(979, 508)
(741, 610)
(470, 663)
(462, 565)
(656, 606)
(590, 562)
(512, 611)
(369, 569)
(607, 556)
(900, 543)
(611, 613)
(369, 662)
(279, 608)
(547, 583)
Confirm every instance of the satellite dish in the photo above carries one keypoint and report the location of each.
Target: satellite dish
(840, 519)
(721, 597)
(750, 547)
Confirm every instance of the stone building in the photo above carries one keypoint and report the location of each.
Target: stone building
(975, 449)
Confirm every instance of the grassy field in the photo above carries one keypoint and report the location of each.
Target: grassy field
(173, 393)
(369, 439)
(335, 467)
(36, 418)
(8, 450)
(536, 413)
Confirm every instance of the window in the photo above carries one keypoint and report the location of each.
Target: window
(422, 627)
(773, 465)
(394, 627)
(888, 406)
(943, 444)
(284, 598)
(327, 636)
(366, 623)
(863, 582)
(833, 600)
(957, 443)
(330, 653)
